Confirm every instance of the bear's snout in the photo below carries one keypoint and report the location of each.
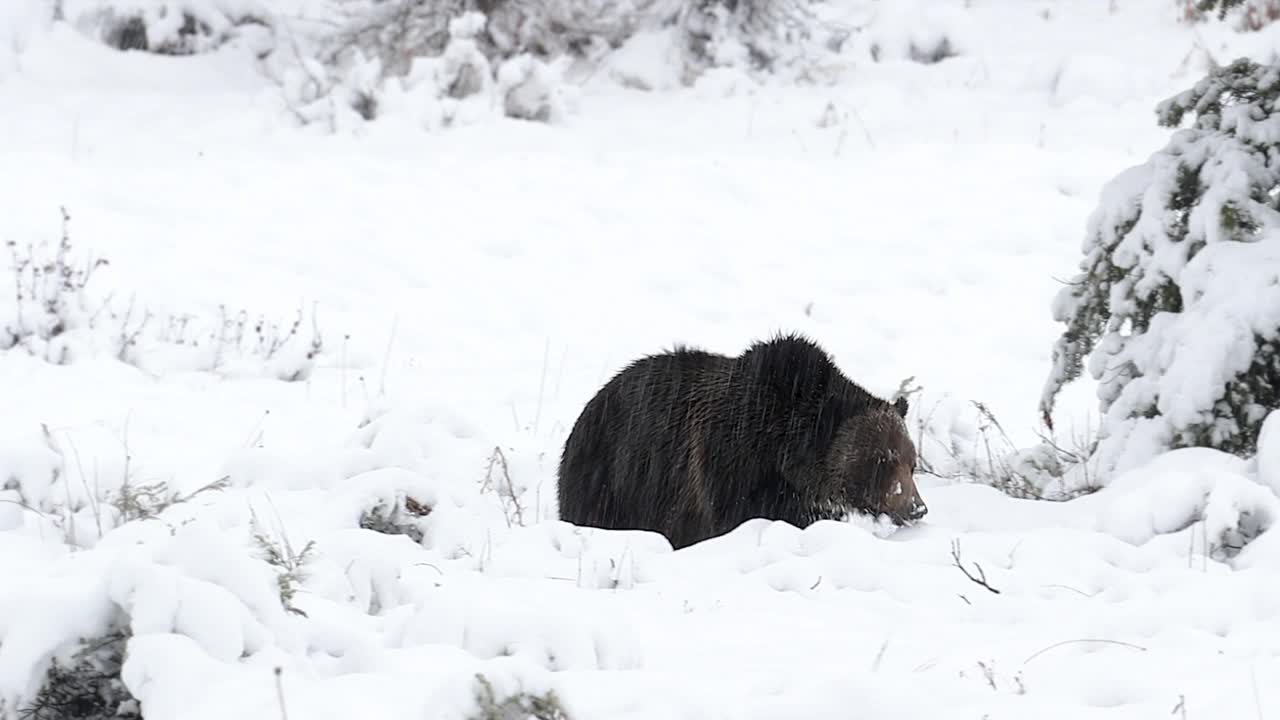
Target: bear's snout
(904, 504)
(917, 510)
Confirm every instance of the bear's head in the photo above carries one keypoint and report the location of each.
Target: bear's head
(873, 457)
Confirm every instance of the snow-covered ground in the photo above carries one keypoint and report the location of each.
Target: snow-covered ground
(474, 287)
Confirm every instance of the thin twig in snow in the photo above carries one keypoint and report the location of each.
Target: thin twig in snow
(981, 578)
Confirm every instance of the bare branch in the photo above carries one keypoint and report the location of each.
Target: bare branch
(980, 578)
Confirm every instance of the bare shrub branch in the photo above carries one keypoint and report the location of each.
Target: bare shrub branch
(980, 578)
(512, 509)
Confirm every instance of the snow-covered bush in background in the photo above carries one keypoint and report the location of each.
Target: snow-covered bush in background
(916, 31)
(424, 62)
(438, 60)
(1245, 15)
(391, 32)
(168, 27)
(1176, 310)
(396, 32)
(529, 89)
(49, 307)
(964, 441)
(50, 312)
(761, 35)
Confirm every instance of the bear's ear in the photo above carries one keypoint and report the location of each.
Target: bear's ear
(901, 405)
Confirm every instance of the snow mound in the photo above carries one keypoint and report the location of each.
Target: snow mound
(1183, 487)
(648, 60)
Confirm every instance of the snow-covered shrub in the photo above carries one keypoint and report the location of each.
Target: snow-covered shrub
(78, 483)
(234, 344)
(52, 313)
(965, 442)
(915, 31)
(400, 515)
(761, 35)
(1176, 309)
(50, 304)
(529, 89)
(392, 32)
(85, 682)
(146, 501)
(289, 563)
(1247, 15)
(437, 59)
(231, 343)
(436, 71)
(167, 27)
(519, 704)
(463, 70)
(396, 32)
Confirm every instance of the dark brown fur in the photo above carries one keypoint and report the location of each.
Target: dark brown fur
(692, 444)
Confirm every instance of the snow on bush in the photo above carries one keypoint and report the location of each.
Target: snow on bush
(964, 441)
(787, 37)
(396, 32)
(649, 60)
(344, 82)
(77, 486)
(445, 63)
(49, 304)
(517, 702)
(1245, 15)
(84, 682)
(52, 313)
(167, 27)
(530, 89)
(916, 31)
(1176, 310)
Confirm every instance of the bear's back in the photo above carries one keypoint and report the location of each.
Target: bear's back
(799, 375)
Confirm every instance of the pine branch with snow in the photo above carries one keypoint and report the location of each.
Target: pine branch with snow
(1176, 308)
(86, 683)
(523, 704)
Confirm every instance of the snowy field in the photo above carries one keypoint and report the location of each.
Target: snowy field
(473, 287)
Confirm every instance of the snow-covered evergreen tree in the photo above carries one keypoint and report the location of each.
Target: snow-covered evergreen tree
(1176, 310)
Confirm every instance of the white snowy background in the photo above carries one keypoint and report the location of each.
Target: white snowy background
(473, 286)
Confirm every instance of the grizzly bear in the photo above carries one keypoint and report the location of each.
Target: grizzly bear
(691, 444)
